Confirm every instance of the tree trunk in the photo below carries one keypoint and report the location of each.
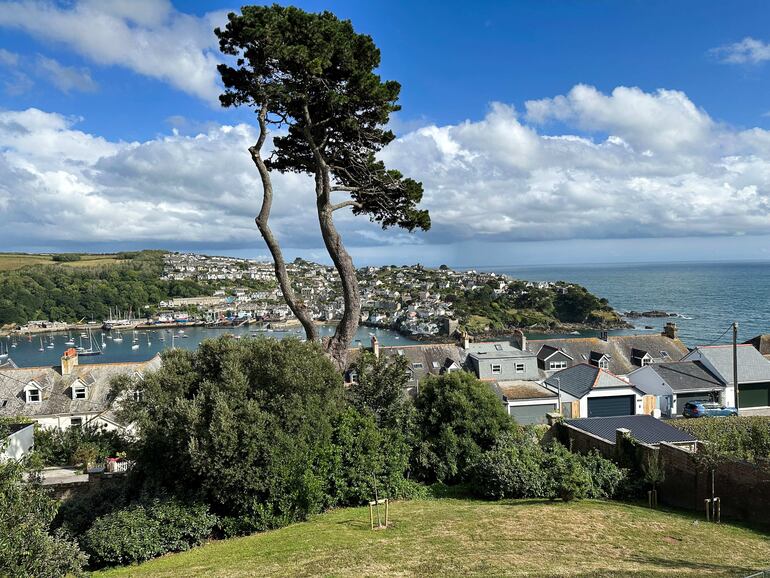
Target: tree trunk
(297, 307)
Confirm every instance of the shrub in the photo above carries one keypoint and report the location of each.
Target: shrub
(138, 533)
(27, 546)
(58, 447)
(66, 258)
(511, 470)
(458, 417)
(606, 477)
(742, 437)
(566, 477)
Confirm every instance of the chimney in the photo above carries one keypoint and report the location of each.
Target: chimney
(69, 361)
(520, 340)
(375, 346)
(670, 330)
(466, 340)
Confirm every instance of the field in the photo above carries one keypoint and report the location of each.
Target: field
(12, 261)
(460, 538)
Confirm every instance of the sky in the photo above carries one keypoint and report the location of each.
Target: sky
(543, 132)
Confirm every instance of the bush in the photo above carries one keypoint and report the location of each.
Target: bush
(606, 477)
(138, 533)
(566, 477)
(66, 258)
(58, 447)
(458, 417)
(27, 545)
(511, 470)
(743, 437)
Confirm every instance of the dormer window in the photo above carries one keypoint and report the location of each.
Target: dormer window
(79, 392)
(33, 395)
(603, 363)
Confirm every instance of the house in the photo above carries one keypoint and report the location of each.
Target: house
(643, 428)
(586, 390)
(761, 343)
(753, 373)
(71, 395)
(18, 441)
(501, 360)
(674, 384)
(527, 402)
(619, 354)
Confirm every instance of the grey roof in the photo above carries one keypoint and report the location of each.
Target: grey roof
(56, 388)
(547, 351)
(752, 366)
(520, 389)
(687, 376)
(428, 358)
(618, 348)
(497, 350)
(579, 379)
(644, 428)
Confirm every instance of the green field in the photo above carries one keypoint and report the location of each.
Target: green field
(461, 538)
(13, 261)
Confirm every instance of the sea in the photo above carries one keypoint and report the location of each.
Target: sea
(705, 299)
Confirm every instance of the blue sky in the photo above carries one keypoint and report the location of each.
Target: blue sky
(578, 131)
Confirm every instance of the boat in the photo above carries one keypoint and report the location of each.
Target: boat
(41, 345)
(70, 339)
(118, 338)
(93, 348)
(3, 355)
(135, 346)
(148, 339)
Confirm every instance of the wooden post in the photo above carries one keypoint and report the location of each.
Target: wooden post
(708, 509)
(387, 508)
(717, 516)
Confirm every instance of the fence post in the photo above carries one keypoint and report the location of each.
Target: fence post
(708, 508)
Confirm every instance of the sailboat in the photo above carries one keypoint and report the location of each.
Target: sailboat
(118, 338)
(50, 343)
(93, 348)
(41, 345)
(71, 340)
(3, 355)
(148, 339)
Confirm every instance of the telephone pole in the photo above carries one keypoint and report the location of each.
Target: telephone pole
(735, 363)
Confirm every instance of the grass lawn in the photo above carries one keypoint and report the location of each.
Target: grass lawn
(459, 538)
(12, 261)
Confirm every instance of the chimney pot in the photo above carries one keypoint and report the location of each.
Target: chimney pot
(375, 346)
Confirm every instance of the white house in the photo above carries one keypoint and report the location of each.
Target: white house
(18, 441)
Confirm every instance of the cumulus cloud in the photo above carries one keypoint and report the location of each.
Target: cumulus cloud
(149, 37)
(628, 164)
(748, 50)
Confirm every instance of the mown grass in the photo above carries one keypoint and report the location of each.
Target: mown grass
(13, 261)
(460, 538)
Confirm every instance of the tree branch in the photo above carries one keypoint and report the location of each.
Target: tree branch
(344, 204)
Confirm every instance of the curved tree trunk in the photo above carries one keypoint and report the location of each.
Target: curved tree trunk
(297, 307)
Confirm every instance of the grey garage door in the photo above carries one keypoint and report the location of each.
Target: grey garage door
(529, 414)
(611, 406)
(683, 398)
(754, 395)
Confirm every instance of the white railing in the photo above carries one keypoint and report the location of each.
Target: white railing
(115, 467)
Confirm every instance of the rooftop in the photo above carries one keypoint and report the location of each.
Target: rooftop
(644, 428)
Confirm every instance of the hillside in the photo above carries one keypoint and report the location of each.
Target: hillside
(14, 261)
(456, 538)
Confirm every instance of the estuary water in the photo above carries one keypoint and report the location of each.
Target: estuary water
(707, 297)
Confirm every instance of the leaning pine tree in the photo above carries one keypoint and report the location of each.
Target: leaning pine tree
(313, 76)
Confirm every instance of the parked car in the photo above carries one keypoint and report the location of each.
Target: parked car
(706, 409)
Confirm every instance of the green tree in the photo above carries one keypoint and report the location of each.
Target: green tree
(314, 75)
(458, 417)
(27, 546)
(380, 388)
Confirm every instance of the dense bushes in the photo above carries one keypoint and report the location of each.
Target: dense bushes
(519, 467)
(27, 545)
(139, 533)
(68, 447)
(458, 417)
(742, 437)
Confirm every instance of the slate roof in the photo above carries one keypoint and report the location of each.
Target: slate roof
(752, 366)
(547, 351)
(57, 393)
(685, 376)
(497, 350)
(433, 358)
(519, 390)
(644, 428)
(579, 379)
(761, 343)
(618, 348)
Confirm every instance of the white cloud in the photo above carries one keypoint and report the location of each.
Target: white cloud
(748, 50)
(149, 37)
(65, 78)
(636, 165)
(8, 58)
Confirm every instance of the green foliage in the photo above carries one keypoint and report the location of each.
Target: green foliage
(576, 304)
(243, 425)
(520, 467)
(74, 293)
(66, 258)
(458, 417)
(379, 389)
(27, 546)
(58, 447)
(314, 73)
(743, 437)
(138, 533)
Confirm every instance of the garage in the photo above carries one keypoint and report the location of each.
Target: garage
(611, 406)
(529, 414)
(683, 398)
(754, 395)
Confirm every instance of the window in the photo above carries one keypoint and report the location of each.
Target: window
(645, 361)
(557, 365)
(79, 392)
(417, 365)
(76, 422)
(519, 368)
(498, 347)
(33, 396)
(603, 363)
(497, 368)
